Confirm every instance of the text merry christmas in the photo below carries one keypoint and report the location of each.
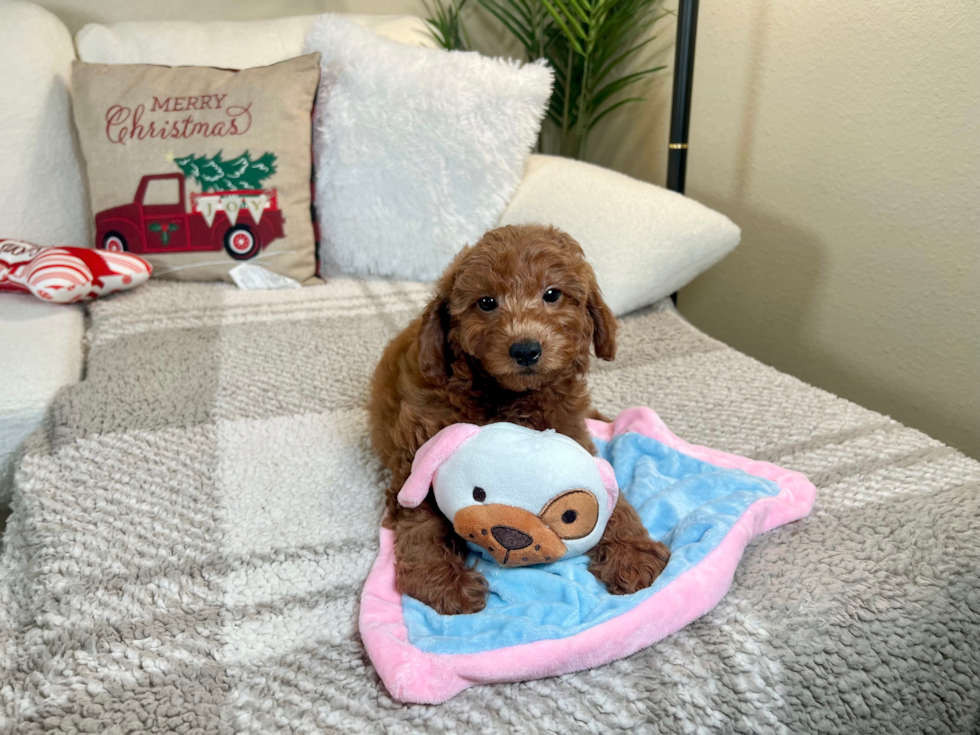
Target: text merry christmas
(125, 124)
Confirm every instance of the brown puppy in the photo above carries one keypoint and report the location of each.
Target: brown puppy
(506, 338)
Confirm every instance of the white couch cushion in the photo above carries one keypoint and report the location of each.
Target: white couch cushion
(225, 44)
(42, 348)
(41, 187)
(644, 242)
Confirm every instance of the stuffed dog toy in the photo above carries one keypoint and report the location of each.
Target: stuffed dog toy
(524, 496)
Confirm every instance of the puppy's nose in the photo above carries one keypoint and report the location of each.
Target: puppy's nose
(511, 538)
(526, 353)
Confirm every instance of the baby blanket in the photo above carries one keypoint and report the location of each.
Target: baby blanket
(551, 619)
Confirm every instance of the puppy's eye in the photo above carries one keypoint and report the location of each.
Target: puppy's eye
(487, 303)
(552, 295)
(479, 494)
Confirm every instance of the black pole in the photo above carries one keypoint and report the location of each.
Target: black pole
(680, 107)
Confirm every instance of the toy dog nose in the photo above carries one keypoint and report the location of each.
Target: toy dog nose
(526, 353)
(511, 538)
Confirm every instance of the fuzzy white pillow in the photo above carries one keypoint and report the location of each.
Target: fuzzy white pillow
(416, 151)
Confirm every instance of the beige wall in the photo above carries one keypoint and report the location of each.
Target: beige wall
(844, 138)
(76, 13)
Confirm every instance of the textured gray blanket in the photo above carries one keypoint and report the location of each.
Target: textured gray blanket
(190, 535)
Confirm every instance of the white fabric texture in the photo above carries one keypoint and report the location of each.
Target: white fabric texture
(226, 44)
(42, 351)
(42, 189)
(416, 151)
(643, 241)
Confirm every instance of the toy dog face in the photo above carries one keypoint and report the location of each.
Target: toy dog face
(516, 537)
(525, 496)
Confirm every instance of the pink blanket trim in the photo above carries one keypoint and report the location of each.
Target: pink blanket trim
(412, 675)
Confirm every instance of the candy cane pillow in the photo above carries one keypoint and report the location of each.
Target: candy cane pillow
(67, 275)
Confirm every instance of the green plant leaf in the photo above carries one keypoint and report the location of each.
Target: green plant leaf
(445, 24)
(590, 45)
(572, 37)
(615, 35)
(510, 22)
(583, 12)
(610, 89)
(605, 69)
(524, 10)
(612, 107)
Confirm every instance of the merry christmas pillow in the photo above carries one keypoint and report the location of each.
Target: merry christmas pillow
(198, 169)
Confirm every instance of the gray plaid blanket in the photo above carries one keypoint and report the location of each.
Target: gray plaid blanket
(190, 534)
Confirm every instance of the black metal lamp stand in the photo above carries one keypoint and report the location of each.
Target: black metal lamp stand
(680, 109)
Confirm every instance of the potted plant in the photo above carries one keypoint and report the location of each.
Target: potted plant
(586, 42)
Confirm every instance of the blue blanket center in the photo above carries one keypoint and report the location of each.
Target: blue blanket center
(687, 504)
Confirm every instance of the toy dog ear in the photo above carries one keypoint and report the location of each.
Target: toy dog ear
(429, 458)
(608, 475)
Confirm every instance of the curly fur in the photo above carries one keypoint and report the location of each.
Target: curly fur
(453, 365)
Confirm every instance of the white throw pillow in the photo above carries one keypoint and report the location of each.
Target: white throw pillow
(644, 242)
(42, 192)
(416, 151)
(225, 44)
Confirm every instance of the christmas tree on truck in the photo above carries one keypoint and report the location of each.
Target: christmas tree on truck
(215, 174)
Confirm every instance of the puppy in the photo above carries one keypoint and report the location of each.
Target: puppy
(505, 338)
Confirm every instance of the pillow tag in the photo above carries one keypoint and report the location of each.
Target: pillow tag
(250, 277)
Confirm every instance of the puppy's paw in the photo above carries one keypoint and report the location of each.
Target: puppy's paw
(628, 567)
(468, 595)
(449, 589)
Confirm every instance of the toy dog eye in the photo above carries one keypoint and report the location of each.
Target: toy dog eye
(572, 514)
(479, 494)
(487, 303)
(552, 295)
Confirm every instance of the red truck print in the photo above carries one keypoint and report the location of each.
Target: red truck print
(243, 221)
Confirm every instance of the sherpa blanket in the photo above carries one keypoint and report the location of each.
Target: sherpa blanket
(190, 534)
(557, 618)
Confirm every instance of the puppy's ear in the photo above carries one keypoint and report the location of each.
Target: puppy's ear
(565, 240)
(602, 317)
(603, 323)
(432, 341)
(434, 354)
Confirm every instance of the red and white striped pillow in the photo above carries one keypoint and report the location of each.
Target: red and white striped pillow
(66, 275)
